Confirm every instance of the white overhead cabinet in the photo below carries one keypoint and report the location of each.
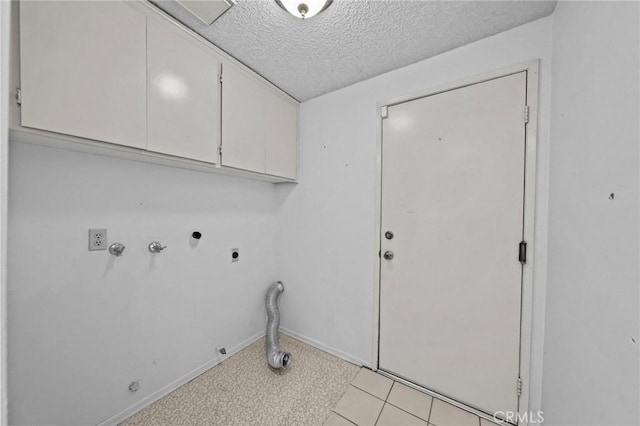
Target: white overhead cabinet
(124, 73)
(244, 120)
(259, 126)
(183, 110)
(282, 136)
(83, 69)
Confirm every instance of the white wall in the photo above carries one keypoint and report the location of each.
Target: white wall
(326, 233)
(591, 358)
(85, 324)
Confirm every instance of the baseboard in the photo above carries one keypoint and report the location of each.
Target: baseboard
(162, 392)
(326, 348)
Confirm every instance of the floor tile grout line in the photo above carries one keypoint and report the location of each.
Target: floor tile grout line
(393, 385)
(390, 389)
(339, 415)
(408, 412)
(380, 413)
(370, 394)
(384, 403)
(388, 393)
(367, 392)
(430, 410)
(378, 374)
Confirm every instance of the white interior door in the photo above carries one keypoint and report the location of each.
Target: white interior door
(452, 195)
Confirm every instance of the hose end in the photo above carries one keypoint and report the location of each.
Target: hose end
(286, 359)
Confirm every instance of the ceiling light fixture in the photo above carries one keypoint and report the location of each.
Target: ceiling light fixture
(304, 9)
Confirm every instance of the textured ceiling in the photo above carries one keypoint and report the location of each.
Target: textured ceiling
(353, 39)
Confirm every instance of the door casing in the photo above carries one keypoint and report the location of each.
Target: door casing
(531, 136)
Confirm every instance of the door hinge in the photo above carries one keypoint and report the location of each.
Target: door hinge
(384, 112)
(519, 386)
(522, 252)
(526, 114)
(220, 149)
(19, 96)
(220, 78)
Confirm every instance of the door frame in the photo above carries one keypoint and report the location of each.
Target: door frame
(531, 138)
(6, 9)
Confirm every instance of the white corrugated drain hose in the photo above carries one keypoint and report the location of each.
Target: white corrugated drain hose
(276, 357)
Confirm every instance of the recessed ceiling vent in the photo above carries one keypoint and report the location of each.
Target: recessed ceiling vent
(207, 11)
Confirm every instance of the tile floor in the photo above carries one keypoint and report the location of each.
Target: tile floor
(373, 399)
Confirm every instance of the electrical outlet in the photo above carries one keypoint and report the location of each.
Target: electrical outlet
(97, 239)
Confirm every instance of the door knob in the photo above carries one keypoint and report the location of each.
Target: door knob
(388, 235)
(388, 255)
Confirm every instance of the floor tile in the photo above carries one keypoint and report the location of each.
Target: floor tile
(359, 407)
(444, 414)
(337, 420)
(410, 400)
(484, 422)
(373, 383)
(392, 416)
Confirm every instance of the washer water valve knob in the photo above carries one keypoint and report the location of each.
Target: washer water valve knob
(156, 247)
(116, 249)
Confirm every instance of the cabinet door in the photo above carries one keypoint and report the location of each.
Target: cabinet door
(83, 69)
(243, 120)
(183, 111)
(282, 129)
